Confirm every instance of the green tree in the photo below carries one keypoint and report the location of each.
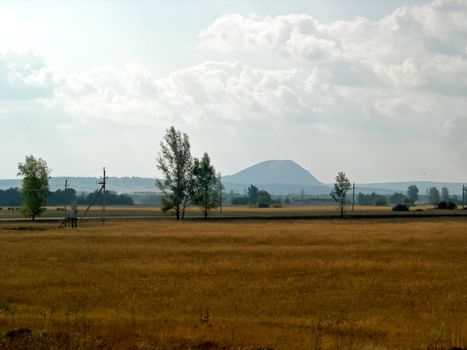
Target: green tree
(372, 199)
(175, 162)
(445, 194)
(35, 173)
(253, 195)
(398, 198)
(433, 196)
(264, 199)
(207, 186)
(339, 193)
(412, 194)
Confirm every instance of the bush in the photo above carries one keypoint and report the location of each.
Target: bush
(442, 205)
(400, 207)
(452, 205)
(264, 199)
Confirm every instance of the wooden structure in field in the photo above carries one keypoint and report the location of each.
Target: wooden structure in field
(71, 219)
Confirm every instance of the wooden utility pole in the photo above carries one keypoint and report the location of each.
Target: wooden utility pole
(463, 196)
(65, 197)
(102, 182)
(353, 197)
(65, 214)
(220, 199)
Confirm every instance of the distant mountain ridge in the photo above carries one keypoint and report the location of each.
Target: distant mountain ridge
(284, 172)
(279, 177)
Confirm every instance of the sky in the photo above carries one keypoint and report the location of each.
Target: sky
(377, 89)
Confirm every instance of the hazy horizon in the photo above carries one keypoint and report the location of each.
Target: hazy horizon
(99, 174)
(375, 89)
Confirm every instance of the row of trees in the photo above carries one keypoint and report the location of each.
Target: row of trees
(410, 197)
(14, 197)
(434, 196)
(186, 179)
(35, 192)
(11, 197)
(442, 200)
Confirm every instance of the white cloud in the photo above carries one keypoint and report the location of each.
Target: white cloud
(399, 79)
(292, 35)
(412, 47)
(24, 76)
(340, 73)
(215, 92)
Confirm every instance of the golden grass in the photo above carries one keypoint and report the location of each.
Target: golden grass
(242, 285)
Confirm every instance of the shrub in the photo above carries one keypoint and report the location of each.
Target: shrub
(452, 205)
(400, 207)
(264, 199)
(442, 205)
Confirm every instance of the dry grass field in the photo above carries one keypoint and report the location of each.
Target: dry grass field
(386, 284)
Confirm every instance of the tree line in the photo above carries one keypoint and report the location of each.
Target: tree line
(186, 180)
(14, 197)
(35, 193)
(408, 198)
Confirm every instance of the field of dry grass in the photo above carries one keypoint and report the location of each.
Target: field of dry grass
(235, 285)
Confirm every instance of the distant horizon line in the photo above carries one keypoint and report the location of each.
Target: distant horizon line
(322, 183)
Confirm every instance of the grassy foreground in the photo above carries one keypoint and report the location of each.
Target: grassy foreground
(235, 285)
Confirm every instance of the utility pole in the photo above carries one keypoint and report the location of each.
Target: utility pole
(353, 197)
(102, 182)
(463, 196)
(65, 198)
(220, 199)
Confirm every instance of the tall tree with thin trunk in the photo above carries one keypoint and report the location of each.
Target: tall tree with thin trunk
(412, 194)
(253, 195)
(445, 196)
(35, 173)
(207, 185)
(341, 187)
(433, 196)
(175, 162)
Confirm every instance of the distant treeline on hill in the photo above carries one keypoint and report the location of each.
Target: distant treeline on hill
(13, 197)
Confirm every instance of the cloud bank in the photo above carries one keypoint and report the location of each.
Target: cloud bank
(399, 79)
